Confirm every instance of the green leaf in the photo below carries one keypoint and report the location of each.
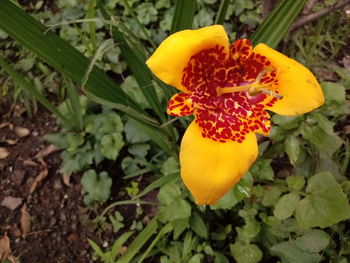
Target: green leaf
(179, 226)
(286, 205)
(236, 194)
(170, 166)
(139, 150)
(246, 253)
(290, 253)
(322, 135)
(139, 241)
(292, 147)
(276, 25)
(177, 209)
(169, 193)
(63, 57)
(251, 228)
(262, 169)
(325, 205)
(271, 196)
(295, 182)
(334, 93)
(134, 134)
(198, 226)
(30, 88)
(96, 187)
(184, 13)
(220, 16)
(111, 145)
(287, 122)
(313, 241)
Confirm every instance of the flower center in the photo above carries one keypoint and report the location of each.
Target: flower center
(254, 88)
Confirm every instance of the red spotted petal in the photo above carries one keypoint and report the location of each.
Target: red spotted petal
(180, 105)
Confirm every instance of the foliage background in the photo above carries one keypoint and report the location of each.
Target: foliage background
(291, 206)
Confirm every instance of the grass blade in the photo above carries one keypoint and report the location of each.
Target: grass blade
(220, 16)
(139, 241)
(62, 56)
(184, 13)
(28, 87)
(276, 25)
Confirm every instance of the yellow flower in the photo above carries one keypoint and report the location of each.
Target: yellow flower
(228, 89)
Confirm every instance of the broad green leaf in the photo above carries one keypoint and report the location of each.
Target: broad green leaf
(276, 25)
(177, 209)
(296, 182)
(320, 133)
(333, 92)
(134, 134)
(292, 147)
(325, 205)
(246, 253)
(184, 13)
(139, 150)
(251, 229)
(271, 196)
(288, 252)
(96, 187)
(198, 226)
(287, 122)
(313, 241)
(286, 205)
(262, 169)
(170, 166)
(179, 226)
(169, 193)
(111, 144)
(198, 258)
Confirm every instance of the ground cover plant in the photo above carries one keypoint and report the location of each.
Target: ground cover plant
(89, 157)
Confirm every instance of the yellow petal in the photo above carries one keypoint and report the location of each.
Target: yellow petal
(300, 89)
(173, 54)
(210, 169)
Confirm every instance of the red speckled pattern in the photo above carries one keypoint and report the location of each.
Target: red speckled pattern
(229, 116)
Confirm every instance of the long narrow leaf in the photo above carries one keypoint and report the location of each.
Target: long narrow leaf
(184, 13)
(28, 87)
(62, 56)
(220, 16)
(136, 63)
(139, 241)
(276, 25)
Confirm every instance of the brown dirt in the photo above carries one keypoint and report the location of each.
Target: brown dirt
(50, 222)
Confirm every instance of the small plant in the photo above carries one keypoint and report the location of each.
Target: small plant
(96, 187)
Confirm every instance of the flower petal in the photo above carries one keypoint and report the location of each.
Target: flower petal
(180, 105)
(300, 90)
(209, 169)
(173, 54)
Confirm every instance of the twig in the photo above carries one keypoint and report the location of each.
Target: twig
(312, 17)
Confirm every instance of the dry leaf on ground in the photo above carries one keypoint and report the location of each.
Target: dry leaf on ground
(46, 151)
(66, 179)
(4, 247)
(25, 221)
(3, 153)
(38, 179)
(5, 124)
(11, 202)
(21, 131)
